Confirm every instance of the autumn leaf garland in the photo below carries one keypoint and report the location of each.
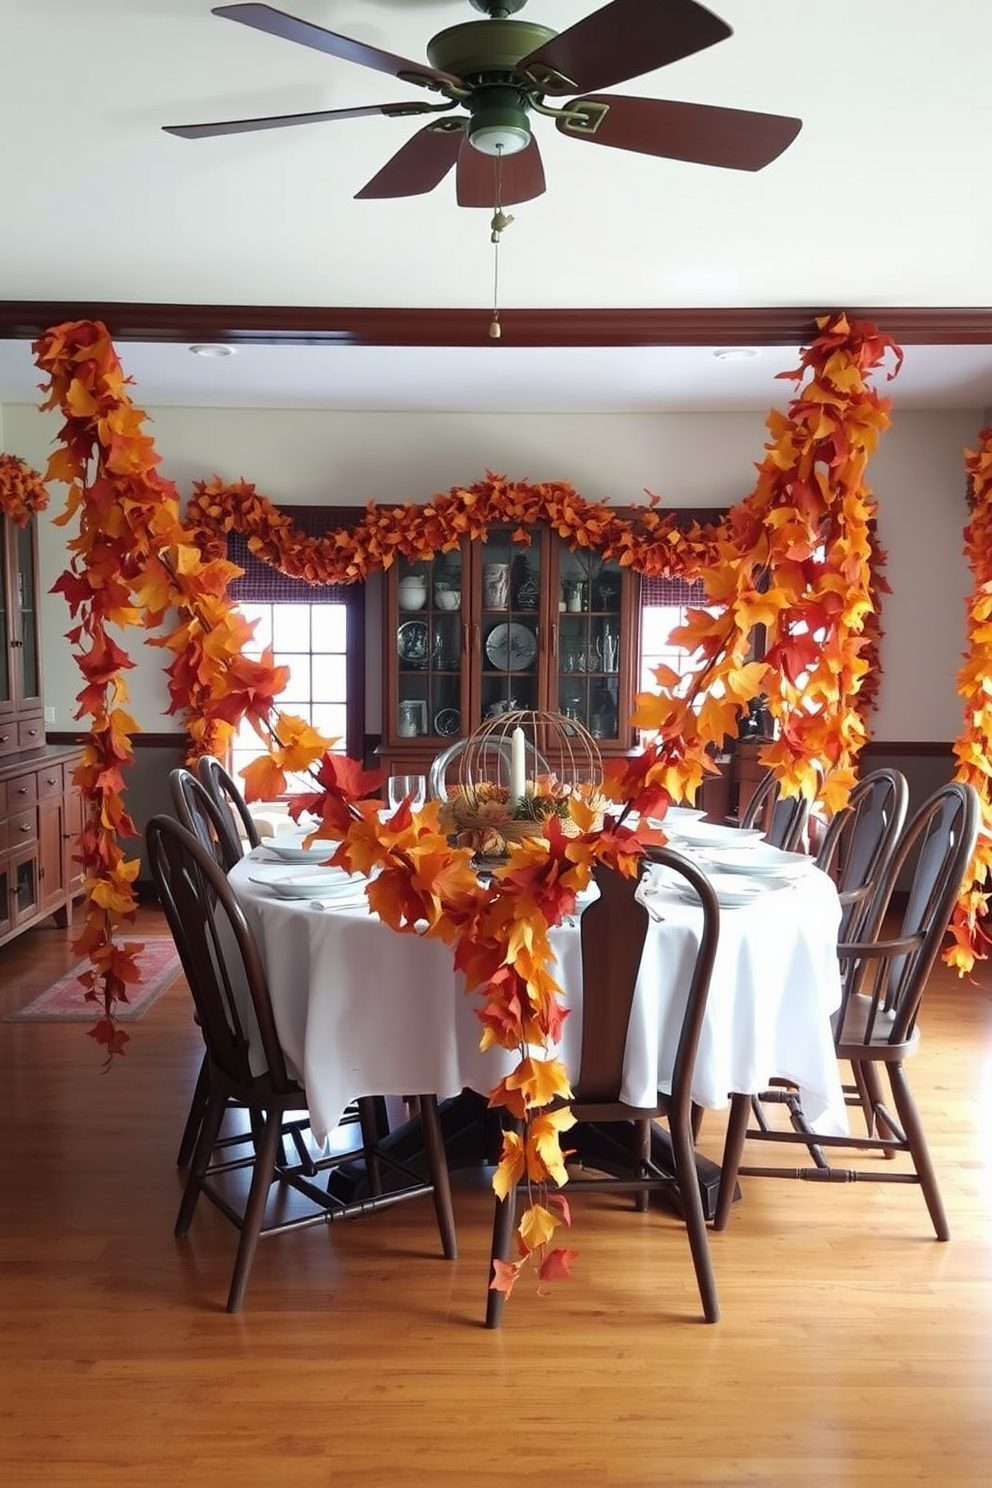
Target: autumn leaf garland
(973, 749)
(132, 562)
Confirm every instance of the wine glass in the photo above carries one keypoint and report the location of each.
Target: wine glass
(402, 786)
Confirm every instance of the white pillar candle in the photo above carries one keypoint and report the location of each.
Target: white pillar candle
(518, 777)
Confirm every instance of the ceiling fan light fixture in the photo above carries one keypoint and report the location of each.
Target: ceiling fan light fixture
(498, 139)
(499, 123)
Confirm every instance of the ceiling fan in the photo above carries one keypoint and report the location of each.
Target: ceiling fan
(499, 71)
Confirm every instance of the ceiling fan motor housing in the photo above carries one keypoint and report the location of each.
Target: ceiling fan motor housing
(477, 49)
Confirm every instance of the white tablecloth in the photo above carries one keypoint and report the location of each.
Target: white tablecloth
(362, 1010)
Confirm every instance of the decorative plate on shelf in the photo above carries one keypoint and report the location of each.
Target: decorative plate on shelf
(511, 648)
(413, 643)
(447, 722)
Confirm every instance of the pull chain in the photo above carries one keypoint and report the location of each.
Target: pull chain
(499, 224)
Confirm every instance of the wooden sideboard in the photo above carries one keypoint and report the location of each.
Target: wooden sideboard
(40, 821)
(40, 809)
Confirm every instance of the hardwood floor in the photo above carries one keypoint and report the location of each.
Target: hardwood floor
(853, 1347)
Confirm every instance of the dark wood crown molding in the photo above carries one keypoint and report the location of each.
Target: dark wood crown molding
(393, 326)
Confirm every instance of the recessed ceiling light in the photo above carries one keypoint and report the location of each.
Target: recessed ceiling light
(208, 349)
(735, 353)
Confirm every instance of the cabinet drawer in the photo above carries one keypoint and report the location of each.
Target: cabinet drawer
(30, 731)
(50, 782)
(22, 827)
(22, 790)
(8, 735)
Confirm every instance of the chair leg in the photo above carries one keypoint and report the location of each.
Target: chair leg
(251, 1224)
(504, 1220)
(919, 1151)
(642, 1138)
(194, 1120)
(867, 1080)
(733, 1148)
(209, 1130)
(368, 1116)
(437, 1166)
(695, 1220)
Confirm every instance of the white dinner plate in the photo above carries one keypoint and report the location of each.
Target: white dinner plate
(760, 859)
(290, 849)
(711, 834)
(676, 814)
(731, 890)
(332, 886)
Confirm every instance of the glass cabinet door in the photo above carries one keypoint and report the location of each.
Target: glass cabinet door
(510, 579)
(6, 572)
(429, 699)
(592, 645)
(29, 663)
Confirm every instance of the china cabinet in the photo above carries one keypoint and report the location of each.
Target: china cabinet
(499, 625)
(40, 810)
(20, 654)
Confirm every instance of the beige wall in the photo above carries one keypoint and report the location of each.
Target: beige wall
(687, 460)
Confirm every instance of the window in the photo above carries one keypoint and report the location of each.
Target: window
(664, 603)
(317, 631)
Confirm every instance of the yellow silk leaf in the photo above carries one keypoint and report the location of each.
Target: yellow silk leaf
(746, 682)
(545, 1159)
(536, 1227)
(510, 1168)
(539, 1081)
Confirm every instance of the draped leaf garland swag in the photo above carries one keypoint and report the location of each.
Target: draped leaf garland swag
(974, 748)
(795, 557)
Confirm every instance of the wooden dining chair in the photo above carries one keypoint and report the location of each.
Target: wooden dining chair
(859, 842)
(884, 976)
(613, 930)
(210, 822)
(223, 790)
(246, 1067)
(782, 818)
(196, 809)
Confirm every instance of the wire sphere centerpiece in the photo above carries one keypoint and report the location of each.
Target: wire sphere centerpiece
(516, 772)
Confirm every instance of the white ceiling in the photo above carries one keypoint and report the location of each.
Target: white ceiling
(882, 200)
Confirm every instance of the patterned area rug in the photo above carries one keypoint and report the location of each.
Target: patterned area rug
(65, 1001)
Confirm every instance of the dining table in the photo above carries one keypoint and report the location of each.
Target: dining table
(362, 1009)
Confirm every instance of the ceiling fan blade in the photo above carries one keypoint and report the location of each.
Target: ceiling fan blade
(290, 28)
(734, 138)
(420, 165)
(625, 39)
(521, 179)
(281, 121)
